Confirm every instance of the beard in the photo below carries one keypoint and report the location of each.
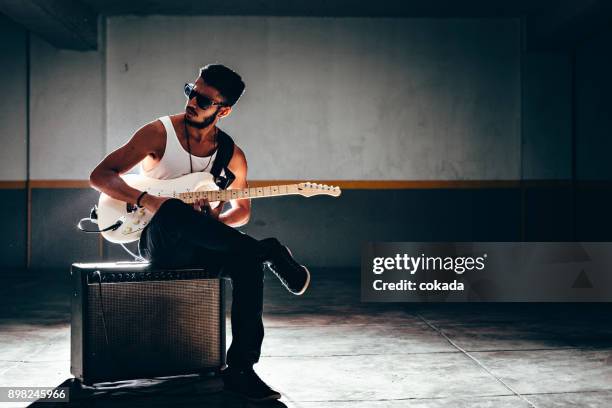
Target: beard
(204, 123)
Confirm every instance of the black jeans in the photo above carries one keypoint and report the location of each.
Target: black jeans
(179, 236)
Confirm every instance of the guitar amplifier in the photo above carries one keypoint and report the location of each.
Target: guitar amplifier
(130, 320)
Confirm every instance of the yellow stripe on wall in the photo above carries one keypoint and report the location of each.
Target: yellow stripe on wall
(12, 185)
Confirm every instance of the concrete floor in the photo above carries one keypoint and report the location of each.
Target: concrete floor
(327, 349)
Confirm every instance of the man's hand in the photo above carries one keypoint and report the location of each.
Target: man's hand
(152, 203)
(202, 205)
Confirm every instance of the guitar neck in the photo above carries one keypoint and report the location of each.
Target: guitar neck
(238, 194)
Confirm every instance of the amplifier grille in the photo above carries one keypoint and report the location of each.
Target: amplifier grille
(153, 327)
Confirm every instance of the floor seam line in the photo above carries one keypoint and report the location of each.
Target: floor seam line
(474, 359)
(606, 390)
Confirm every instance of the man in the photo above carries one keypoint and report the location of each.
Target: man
(180, 234)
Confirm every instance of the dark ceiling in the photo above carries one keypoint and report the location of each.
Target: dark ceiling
(332, 8)
(548, 24)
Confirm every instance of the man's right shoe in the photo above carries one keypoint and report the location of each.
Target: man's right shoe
(293, 276)
(247, 384)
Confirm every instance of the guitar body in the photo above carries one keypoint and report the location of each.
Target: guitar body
(133, 219)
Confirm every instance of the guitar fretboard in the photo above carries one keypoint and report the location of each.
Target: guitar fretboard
(237, 194)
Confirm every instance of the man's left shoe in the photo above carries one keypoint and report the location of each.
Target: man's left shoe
(246, 383)
(293, 276)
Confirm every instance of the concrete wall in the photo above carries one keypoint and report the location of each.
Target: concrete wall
(66, 142)
(13, 130)
(67, 110)
(13, 103)
(548, 110)
(594, 134)
(546, 116)
(335, 98)
(326, 99)
(593, 108)
(369, 98)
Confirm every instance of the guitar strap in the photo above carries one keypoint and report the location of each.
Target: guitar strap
(222, 175)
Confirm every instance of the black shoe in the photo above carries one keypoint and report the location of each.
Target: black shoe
(293, 276)
(247, 384)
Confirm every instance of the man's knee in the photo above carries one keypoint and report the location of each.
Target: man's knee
(172, 205)
(170, 212)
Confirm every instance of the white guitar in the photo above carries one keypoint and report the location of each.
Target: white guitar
(124, 222)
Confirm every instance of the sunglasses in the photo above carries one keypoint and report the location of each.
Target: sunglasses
(204, 102)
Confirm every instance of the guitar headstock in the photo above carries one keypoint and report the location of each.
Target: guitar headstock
(311, 189)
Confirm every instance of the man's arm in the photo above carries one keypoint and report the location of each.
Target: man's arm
(105, 177)
(240, 212)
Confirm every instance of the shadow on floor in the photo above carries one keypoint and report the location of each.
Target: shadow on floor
(180, 391)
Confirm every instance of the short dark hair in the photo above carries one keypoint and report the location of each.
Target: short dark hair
(228, 83)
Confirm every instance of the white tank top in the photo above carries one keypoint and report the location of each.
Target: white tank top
(175, 161)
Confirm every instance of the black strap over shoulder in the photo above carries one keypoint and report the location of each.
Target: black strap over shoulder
(224, 155)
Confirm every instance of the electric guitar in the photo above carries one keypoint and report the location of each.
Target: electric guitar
(122, 222)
